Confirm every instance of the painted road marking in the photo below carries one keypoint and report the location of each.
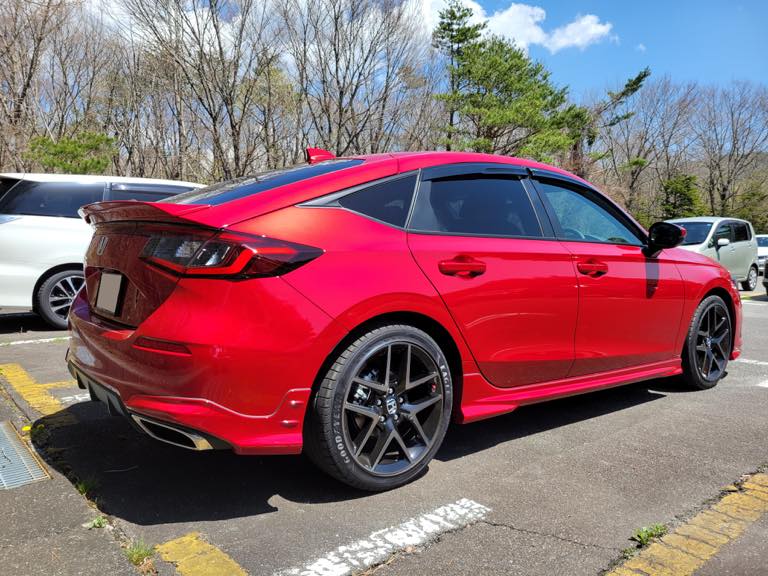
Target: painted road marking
(75, 398)
(753, 362)
(37, 341)
(688, 548)
(193, 556)
(379, 545)
(37, 395)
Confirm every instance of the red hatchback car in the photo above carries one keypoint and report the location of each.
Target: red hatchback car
(352, 307)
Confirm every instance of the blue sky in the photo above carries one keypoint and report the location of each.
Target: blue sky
(593, 44)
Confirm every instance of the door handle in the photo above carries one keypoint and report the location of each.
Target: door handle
(462, 266)
(592, 268)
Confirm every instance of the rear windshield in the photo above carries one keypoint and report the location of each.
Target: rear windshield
(249, 185)
(695, 232)
(61, 199)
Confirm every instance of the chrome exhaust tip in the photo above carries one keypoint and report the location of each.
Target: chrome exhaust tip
(171, 435)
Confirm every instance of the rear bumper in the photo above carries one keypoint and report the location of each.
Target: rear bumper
(215, 426)
(254, 350)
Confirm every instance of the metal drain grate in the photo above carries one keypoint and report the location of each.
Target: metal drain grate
(17, 464)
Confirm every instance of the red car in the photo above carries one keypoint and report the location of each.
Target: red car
(351, 307)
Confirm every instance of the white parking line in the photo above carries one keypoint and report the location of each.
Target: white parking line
(750, 361)
(74, 399)
(763, 384)
(39, 341)
(381, 544)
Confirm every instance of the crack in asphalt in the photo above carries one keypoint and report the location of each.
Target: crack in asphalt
(546, 535)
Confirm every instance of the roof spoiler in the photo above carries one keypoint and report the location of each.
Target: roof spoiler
(315, 155)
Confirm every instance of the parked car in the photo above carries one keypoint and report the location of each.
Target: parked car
(729, 241)
(351, 307)
(43, 239)
(762, 251)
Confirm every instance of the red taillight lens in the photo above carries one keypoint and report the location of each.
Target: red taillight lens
(226, 254)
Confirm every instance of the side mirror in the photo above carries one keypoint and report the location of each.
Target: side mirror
(663, 235)
(722, 242)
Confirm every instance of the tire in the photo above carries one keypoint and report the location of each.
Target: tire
(708, 344)
(55, 295)
(751, 282)
(365, 435)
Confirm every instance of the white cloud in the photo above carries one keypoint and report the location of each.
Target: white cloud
(640, 47)
(523, 24)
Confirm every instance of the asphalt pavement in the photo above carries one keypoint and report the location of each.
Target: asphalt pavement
(555, 488)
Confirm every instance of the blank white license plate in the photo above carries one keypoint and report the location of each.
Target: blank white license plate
(108, 297)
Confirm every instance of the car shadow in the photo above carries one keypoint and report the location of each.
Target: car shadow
(21, 322)
(135, 478)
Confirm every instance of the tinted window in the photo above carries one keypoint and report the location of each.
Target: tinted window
(389, 201)
(145, 192)
(6, 184)
(50, 198)
(695, 232)
(488, 206)
(740, 232)
(762, 241)
(582, 218)
(249, 185)
(138, 195)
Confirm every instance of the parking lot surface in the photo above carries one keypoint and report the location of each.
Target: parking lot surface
(555, 488)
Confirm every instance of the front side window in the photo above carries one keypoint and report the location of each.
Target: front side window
(475, 205)
(740, 232)
(583, 219)
(723, 231)
(61, 199)
(387, 201)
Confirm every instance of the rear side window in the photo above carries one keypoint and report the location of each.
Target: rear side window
(388, 201)
(249, 185)
(61, 199)
(475, 205)
(740, 232)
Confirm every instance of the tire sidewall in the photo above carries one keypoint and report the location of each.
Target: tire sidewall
(42, 304)
(690, 367)
(339, 449)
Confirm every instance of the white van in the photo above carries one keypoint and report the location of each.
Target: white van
(43, 240)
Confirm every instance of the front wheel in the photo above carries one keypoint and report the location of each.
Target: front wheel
(751, 282)
(56, 294)
(382, 409)
(708, 345)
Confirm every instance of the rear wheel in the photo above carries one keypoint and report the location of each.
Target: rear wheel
(708, 345)
(55, 296)
(382, 409)
(751, 282)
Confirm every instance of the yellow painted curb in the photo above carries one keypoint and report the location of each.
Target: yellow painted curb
(193, 556)
(688, 548)
(35, 394)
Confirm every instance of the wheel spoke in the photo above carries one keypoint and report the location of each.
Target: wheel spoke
(366, 411)
(361, 442)
(420, 381)
(389, 365)
(380, 448)
(414, 421)
(378, 386)
(403, 447)
(414, 408)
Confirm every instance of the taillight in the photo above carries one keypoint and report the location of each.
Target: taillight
(226, 254)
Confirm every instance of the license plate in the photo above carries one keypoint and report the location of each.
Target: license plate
(108, 296)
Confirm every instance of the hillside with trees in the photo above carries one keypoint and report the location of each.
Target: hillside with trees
(209, 90)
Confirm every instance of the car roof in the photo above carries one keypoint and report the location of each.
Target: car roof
(89, 178)
(709, 219)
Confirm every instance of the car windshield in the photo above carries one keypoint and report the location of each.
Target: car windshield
(696, 232)
(762, 241)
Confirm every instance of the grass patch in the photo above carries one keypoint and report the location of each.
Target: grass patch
(644, 535)
(86, 486)
(98, 522)
(138, 552)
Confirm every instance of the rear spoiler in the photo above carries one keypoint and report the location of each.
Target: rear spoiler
(133, 211)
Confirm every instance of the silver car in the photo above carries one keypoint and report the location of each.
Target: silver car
(729, 241)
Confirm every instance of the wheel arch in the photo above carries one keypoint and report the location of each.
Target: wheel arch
(50, 272)
(432, 327)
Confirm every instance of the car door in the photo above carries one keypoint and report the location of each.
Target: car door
(630, 306)
(725, 255)
(509, 285)
(745, 248)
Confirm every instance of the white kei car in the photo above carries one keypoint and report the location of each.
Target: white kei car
(43, 239)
